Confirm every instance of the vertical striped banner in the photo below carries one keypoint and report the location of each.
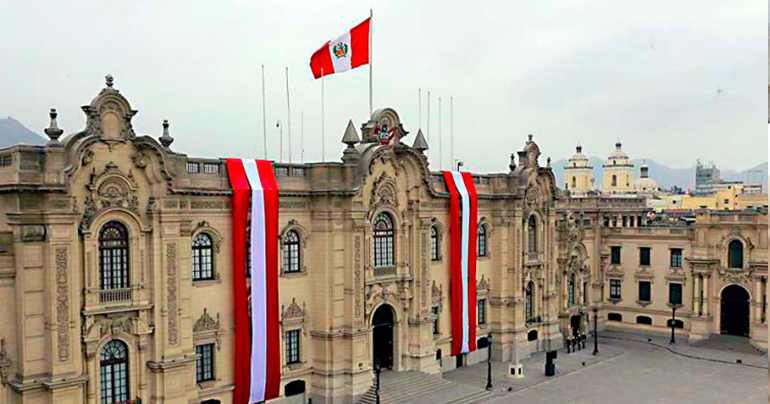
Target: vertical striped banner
(257, 361)
(463, 224)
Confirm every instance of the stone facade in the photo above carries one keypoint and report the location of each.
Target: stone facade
(547, 264)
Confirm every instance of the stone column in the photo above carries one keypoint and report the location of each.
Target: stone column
(757, 300)
(706, 296)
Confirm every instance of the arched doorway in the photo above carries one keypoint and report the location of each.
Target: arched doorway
(382, 336)
(735, 311)
(575, 322)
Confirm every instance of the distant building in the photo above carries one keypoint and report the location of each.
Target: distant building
(578, 174)
(705, 177)
(618, 175)
(645, 185)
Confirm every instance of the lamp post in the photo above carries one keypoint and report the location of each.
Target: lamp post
(459, 164)
(596, 331)
(489, 362)
(377, 370)
(673, 319)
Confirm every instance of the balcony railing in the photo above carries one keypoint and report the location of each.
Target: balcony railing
(115, 295)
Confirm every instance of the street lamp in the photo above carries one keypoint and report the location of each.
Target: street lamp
(489, 362)
(673, 322)
(377, 370)
(459, 164)
(596, 331)
(280, 128)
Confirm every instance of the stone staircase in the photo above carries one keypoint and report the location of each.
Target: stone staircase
(411, 386)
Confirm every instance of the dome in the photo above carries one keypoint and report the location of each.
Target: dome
(645, 185)
(618, 157)
(618, 153)
(578, 160)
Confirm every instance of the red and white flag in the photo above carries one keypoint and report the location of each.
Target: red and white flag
(257, 341)
(462, 234)
(344, 53)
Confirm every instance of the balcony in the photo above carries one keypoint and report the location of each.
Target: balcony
(115, 295)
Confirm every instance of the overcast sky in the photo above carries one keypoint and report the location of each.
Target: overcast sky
(674, 80)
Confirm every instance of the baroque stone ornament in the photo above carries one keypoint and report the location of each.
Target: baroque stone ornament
(294, 311)
(111, 188)
(384, 193)
(358, 287)
(207, 323)
(424, 269)
(5, 363)
(120, 325)
(33, 232)
(171, 293)
(62, 304)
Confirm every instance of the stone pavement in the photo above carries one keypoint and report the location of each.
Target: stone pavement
(631, 368)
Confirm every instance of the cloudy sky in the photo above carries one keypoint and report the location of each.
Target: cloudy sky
(675, 81)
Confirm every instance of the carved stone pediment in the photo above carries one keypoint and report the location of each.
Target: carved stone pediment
(207, 323)
(111, 188)
(294, 311)
(384, 193)
(482, 286)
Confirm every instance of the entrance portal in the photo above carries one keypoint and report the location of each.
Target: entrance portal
(382, 336)
(735, 311)
(575, 322)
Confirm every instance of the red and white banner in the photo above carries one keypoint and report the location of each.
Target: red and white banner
(462, 234)
(344, 53)
(257, 341)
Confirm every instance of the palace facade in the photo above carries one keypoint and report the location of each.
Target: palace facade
(116, 273)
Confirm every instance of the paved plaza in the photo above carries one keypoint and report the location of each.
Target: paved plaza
(630, 369)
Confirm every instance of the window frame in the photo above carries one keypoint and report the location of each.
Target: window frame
(291, 251)
(112, 365)
(481, 311)
(616, 285)
(202, 373)
(529, 301)
(613, 250)
(643, 257)
(735, 259)
(199, 253)
(436, 312)
(383, 240)
(293, 346)
(676, 258)
(114, 260)
(435, 244)
(671, 294)
(649, 292)
(482, 239)
(532, 243)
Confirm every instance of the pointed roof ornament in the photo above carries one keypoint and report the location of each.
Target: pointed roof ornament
(166, 139)
(108, 80)
(351, 135)
(419, 142)
(53, 131)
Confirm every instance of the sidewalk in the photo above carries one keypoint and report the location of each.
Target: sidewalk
(534, 369)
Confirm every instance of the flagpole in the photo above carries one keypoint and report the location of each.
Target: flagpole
(440, 150)
(264, 115)
(302, 137)
(451, 130)
(323, 149)
(371, 41)
(429, 148)
(419, 106)
(288, 110)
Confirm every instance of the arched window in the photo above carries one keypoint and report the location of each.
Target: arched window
(202, 257)
(481, 241)
(614, 180)
(571, 290)
(735, 254)
(113, 256)
(113, 372)
(434, 244)
(529, 306)
(383, 241)
(574, 182)
(532, 235)
(291, 252)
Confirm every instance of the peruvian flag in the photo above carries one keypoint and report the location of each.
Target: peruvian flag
(462, 234)
(257, 341)
(344, 53)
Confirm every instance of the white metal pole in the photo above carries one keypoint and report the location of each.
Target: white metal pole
(280, 137)
(429, 144)
(264, 114)
(451, 129)
(419, 106)
(323, 147)
(302, 137)
(288, 110)
(440, 150)
(371, 41)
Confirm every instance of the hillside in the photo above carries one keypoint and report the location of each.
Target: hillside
(12, 132)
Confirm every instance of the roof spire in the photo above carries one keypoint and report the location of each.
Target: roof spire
(419, 142)
(350, 137)
(166, 139)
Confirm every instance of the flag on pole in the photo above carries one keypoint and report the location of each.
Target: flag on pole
(347, 52)
(462, 234)
(257, 341)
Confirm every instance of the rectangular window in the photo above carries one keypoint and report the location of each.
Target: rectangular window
(193, 168)
(6, 160)
(644, 291)
(436, 329)
(615, 288)
(676, 258)
(211, 168)
(644, 256)
(204, 367)
(292, 346)
(482, 311)
(615, 255)
(675, 293)
(585, 293)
